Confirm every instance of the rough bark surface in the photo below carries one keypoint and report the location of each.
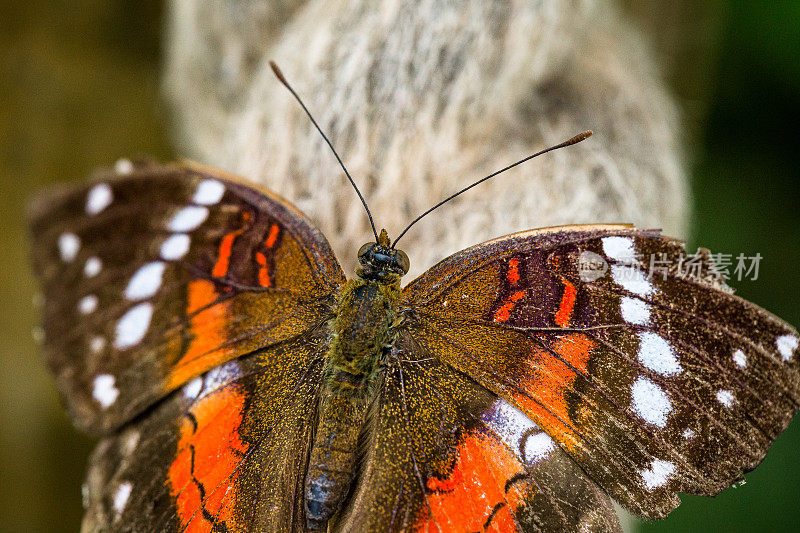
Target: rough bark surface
(421, 98)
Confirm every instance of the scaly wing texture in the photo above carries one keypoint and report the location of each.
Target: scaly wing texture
(652, 385)
(152, 275)
(444, 454)
(226, 452)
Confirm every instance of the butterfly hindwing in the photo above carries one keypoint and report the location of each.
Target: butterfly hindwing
(444, 454)
(225, 452)
(155, 276)
(652, 384)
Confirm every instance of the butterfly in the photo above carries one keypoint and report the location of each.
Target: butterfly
(240, 381)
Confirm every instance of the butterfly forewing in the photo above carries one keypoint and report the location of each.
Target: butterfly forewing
(155, 277)
(652, 384)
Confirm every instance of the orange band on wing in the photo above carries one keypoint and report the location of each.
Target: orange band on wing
(466, 499)
(207, 326)
(263, 271)
(513, 271)
(564, 314)
(273, 236)
(551, 380)
(502, 314)
(224, 257)
(203, 474)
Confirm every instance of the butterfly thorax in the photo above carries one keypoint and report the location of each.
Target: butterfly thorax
(363, 331)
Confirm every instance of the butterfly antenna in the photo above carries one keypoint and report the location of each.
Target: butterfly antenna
(574, 140)
(285, 83)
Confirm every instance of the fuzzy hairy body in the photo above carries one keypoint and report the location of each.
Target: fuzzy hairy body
(362, 329)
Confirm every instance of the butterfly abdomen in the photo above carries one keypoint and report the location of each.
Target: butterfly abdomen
(362, 333)
(332, 462)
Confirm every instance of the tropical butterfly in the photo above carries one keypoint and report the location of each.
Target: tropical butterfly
(241, 382)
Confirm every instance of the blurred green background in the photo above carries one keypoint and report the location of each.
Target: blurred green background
(79, 88)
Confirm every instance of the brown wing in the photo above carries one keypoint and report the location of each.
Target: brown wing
(226, 452)
(444, 454)
(153, 277)
(653, 385)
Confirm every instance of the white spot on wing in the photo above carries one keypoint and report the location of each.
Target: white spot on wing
(97, 343)
(620, 249)
(631, 279)
(187, 218)
(99, 197)
(68, 246)
(726, 398)
(650, 402)
(689, 433)
(209, 192)
(123, 166)
(133, 325)
(787, 344)
(175, 247)
(146, 281)
(538, 447)
(104, 390)
(92, 267)
(193, 388)
(740, 358)
(221, 375)
(658, 474)
(634, 311)
(129, 442)
(121, 497)
(656, 354)
(88, 304)
(508, 422)
(511, 425)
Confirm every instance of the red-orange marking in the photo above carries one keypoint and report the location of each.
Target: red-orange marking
(201, 293)
(464, 500)
(224, 258)
(273, 236)
(263, 271)
(513, 271)
(564, 314)
(208, 329)
(502, 314)
(551, 379)
(456, 478)
(218, 449)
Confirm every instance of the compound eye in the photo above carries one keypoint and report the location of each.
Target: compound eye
(402, 261)
(364, 249)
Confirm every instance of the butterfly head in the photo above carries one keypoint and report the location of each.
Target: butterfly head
(380, 262)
